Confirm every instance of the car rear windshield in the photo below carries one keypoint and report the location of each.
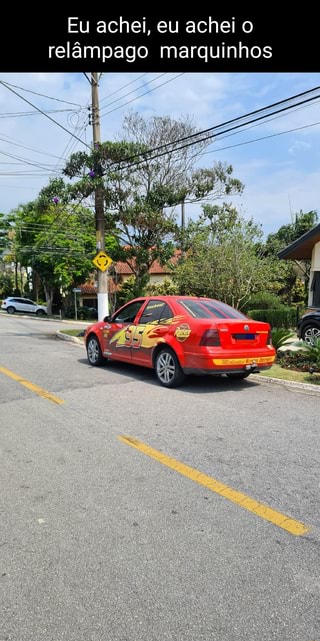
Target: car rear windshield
(206, 308)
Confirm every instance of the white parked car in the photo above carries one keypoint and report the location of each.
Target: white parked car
(14, 304)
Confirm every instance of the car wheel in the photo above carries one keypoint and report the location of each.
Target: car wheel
(94, 351)
(168, 370)
(11, 310)
(310, 333)
(239, 375)
(40, 312)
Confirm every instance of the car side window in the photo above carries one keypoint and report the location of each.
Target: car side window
(166, 314)
(28, 302)
(155, 311)
(128, 313)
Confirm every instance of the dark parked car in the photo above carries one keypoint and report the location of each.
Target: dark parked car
(308, 327)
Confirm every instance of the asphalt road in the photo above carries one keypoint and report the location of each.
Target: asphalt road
(100, 541)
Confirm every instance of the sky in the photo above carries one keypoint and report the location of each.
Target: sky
(280, 171)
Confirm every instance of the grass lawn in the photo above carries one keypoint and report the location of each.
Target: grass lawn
(72, 332)
(290, 375)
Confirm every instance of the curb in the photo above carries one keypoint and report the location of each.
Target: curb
(294, 384)
(70, 339)
(54, 319)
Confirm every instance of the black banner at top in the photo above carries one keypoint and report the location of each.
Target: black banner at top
(211, 40)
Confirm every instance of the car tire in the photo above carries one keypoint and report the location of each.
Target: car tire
(239, 375)
(310, 333)
(11, 310)
(168, 369)
(94, 353)
(40, 312)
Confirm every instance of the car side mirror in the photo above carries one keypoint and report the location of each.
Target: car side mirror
(107, 319)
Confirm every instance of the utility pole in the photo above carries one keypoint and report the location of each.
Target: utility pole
(182, 216)
(103, 301)
(183, 222)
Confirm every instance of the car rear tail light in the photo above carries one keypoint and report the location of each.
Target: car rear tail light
(211, 338)
(269, 338)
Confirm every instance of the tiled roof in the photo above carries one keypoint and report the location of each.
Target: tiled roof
(124, 268)
(156, 268)
(92, 289)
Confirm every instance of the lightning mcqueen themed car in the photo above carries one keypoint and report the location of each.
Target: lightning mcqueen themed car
(181, 335)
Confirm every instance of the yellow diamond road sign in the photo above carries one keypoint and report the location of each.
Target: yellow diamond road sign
(102, 261)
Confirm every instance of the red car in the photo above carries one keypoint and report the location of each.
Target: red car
(181, 335)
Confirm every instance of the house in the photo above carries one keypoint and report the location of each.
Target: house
(119, 273)
(307, 247)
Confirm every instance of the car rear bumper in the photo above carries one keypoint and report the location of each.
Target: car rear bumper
(220, 372)
(215, 363)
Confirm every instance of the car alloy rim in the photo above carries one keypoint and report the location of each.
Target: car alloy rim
(166, 367)
(93, 351)
(311, 335)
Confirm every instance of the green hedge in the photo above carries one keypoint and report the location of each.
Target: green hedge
(276, 317)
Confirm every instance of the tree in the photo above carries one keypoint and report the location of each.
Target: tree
(140, 186)
(6, 284)
(222, 260)
(172, 167)
(292, 278)
(57, 242)
(287, 234)
(9, 247)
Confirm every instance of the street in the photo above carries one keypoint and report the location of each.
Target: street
(105, 538)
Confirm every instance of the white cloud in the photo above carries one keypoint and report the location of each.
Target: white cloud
(299, 146)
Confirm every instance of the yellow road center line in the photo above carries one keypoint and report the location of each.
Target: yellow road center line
(34, 388)
(277, 518)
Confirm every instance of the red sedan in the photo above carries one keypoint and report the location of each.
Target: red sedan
(181, 335)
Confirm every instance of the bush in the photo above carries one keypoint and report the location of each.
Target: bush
(83, 313)
(166, 288)
(264, 300)
(313, 352)
(279, 336)
(285, 317)
(298, 361)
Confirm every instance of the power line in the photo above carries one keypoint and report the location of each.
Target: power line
(44, 114)
(87, 77)
(71, 144)
(54, 222)
(134, 90)
(21, 114)
(215, 128)
(123, 87)
(36, 93)
(26, 161)
(143, 94)
(248, 142)
(10, 141)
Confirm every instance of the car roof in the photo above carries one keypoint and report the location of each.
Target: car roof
(17, 298)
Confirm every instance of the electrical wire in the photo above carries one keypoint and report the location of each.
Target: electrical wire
(36, 93)
(213, 135)
(10, 141)
(123, 87)
(248, 142)
(26, 161)
(141, 95)
(21, 114)
(133, 91)
(40, 110)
